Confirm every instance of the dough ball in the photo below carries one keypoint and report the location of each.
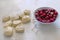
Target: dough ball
(19, 28)
(27, 12)
(8, 31)
(16, 22)
(8, 23)
(26, 19)
(5, 19)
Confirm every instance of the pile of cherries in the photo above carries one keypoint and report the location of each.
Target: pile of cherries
(46, 15)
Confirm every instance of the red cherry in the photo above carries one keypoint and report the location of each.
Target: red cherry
(47, 14)
(48, 10)
(43, 14)
(36, 14)
(54, 18)
(52, 10)
(44, 21)
(51, 19)
(38, 18)
(48, 21)
(44, 10)
(47, 17)
(40, 12)
(55, 13)
(50, 15)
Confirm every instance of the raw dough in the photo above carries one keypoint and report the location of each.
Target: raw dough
(19, 28)
(16, 22)
(8, 23)
(8, 31)
(26, 19)
(5, 19)
(27, 12)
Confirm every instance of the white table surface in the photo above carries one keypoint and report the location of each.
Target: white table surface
(46, 32)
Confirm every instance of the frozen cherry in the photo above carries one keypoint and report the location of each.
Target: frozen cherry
(46, 14)
(36, 13)
(38, 18)
(51, 20)
(47, 17)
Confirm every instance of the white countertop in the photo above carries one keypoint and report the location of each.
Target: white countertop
(46, 32)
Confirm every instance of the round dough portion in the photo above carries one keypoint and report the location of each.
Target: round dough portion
(5, 19)
(26, 19)
(19, 28)
(8, 31)
(27, 12)
(8, 23)
(16, 22)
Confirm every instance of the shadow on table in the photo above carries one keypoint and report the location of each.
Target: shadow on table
(47, 28)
